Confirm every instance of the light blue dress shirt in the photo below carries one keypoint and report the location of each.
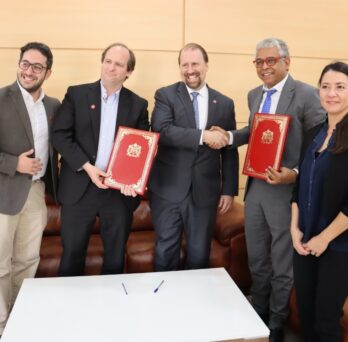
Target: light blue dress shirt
(109, 107)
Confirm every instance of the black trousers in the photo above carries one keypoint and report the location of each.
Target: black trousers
(321, 288)
(171, 220)
(78, 221)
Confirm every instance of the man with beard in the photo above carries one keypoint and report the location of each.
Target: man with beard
(83, 133)
(28, 164)
(192, 176)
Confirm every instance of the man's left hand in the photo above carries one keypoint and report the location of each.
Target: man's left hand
(225, 203)
(128, 190)
(284, 176)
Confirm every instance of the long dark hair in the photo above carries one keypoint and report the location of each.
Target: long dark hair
(341, 138)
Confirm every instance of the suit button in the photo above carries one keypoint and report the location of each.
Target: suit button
(93, 157)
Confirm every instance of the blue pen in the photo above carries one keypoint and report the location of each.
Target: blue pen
(157, 288)
(124, 288)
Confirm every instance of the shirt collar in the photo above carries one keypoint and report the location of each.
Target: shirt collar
(104, 93)
(28, 97)
(203, 91)
(279, 86)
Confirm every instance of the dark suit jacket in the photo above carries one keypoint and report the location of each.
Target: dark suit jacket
(301, 102)
(76, 128)
(16, 137)
(181, 163)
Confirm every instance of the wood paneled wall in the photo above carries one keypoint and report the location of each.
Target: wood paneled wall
(77, 31)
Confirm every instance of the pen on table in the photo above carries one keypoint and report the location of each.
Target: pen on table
(124, 288)
(157, 288)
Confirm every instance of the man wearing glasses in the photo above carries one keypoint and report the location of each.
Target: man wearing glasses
(28, 165)
(267, 203)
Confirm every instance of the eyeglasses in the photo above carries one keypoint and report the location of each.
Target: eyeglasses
(270, 61)
(36, 67)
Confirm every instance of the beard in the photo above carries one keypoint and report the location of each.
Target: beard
(193, 83)
(34, 87)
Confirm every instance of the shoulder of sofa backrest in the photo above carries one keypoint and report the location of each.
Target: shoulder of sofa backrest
(142, 216)
(229, 224)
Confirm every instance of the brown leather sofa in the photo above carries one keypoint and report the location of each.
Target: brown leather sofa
(228, 249)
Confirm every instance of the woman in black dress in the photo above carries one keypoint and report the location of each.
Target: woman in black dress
(319, 225)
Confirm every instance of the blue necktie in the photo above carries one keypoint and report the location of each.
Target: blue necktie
(267, 104)
(195, 107)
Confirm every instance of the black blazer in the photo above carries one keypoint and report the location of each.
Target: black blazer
(335, 186)
(75, 133)
(181, 164)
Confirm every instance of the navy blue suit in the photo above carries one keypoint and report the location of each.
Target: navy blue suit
(188, 179)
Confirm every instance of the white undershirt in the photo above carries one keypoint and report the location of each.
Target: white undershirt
(203, 104)
(275, 97)
(274, 103)
(39, 126)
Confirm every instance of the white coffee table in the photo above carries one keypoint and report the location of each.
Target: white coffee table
(198, 305)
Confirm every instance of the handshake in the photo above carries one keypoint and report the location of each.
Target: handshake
(216, 137)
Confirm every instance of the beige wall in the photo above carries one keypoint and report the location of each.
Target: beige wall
(78, 30)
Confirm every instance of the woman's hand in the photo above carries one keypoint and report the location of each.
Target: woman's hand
(297, 236)
(316, 245)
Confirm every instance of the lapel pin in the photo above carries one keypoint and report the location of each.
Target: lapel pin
(214, 101)
(93, 106)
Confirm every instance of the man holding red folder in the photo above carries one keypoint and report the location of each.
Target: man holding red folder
(83, 133)
(267, 203)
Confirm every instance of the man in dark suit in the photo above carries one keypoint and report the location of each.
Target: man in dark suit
(267, 203)
(83, 134)
(190, 180)
(28, 164)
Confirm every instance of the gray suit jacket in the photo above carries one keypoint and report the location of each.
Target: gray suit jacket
(16, 137)
(301, 102)
(181, 164)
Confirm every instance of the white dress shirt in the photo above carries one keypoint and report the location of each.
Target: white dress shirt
(109, 108)
(275, 97)
(39, 126)
(203, 103)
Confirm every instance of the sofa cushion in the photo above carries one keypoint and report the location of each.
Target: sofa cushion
(51, 252)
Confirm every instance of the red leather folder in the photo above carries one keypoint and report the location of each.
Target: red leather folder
(132, 158)
(266, 144)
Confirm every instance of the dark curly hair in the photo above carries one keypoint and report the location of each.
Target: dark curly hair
(43, 48)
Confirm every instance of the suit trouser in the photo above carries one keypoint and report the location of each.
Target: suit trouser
(78, 221)
(170, 221)
(20, 240)
(321, 289)
(269, 245)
